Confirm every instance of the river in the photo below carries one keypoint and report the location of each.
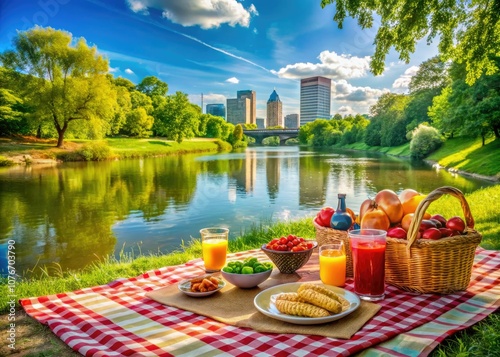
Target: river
(69, 215)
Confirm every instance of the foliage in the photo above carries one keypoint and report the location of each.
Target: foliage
(5, 161)
(468, 109)
(217, 127)
(425, 140)
(468, 31)
(65, 84)
(177, 119)
(238, 132)
(138, 123)
(95, 151)
(250, 126)
(152, 86)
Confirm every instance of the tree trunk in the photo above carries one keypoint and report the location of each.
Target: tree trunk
(39, 132)
(60, 135)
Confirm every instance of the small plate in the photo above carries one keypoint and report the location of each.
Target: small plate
(264, 302)
(185, 287)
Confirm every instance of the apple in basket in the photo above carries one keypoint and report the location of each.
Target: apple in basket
(324, 216)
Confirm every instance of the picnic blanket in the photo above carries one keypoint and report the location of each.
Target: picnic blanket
(117, 319)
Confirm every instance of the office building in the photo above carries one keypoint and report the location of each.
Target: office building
(216, 109)
(315, 98)
(291, 121)
(243, 108)
(250, 94)
(261, 123)
(274, 110)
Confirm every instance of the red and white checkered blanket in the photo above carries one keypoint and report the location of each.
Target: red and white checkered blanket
(117, 319)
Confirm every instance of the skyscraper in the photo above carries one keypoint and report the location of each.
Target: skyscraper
(217, 110)
(250, 94)
(315, 97)
(243, 108)
(291, 121)
(274, 110)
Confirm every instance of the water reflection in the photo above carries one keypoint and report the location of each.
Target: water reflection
(71, 215)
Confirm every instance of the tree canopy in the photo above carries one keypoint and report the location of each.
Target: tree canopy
(468, 31)
(64, 83)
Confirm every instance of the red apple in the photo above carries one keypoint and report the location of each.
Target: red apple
(446, 232)
(396, 232)
(456, 224)
(324, 216)
(431, 233)
(440, 218)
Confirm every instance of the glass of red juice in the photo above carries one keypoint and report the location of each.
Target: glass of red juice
(368, 258)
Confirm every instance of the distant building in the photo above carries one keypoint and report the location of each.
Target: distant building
(315, 99)
(261, 123)
(242, 109)
(291, 121)
(217, 110)
(274, 110)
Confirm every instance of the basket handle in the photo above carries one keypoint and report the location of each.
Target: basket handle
(424, 204)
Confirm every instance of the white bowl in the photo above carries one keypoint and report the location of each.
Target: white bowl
(246, 281)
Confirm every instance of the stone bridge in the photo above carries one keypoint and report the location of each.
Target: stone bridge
(283, 134)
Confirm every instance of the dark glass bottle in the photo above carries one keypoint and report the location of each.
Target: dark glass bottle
(341, 220)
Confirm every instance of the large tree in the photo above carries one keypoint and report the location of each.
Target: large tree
(65, 81)
(468, 31)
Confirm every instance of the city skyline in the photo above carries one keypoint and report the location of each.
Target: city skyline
(213, 48)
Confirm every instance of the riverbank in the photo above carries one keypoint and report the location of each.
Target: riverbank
(33, 151)
(463, 156)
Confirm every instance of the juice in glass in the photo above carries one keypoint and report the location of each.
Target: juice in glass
(368, 256)
(332, 263)
(214, 248)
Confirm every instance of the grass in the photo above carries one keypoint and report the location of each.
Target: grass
(119, 148)
(475, 341)
(470, 155)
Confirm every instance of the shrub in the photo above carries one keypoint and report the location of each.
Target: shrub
(95, 151)
(5, 161)
(223, 145)
(425, 140)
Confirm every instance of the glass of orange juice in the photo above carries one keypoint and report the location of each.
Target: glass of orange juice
(332, 263)
(214, 248)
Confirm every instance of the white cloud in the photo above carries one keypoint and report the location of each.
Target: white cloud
(233, 80)
(401, 84)
(129, 71)
(113, 69)
(330, 65)
(204, 13)
(346, 110)
(349, 96)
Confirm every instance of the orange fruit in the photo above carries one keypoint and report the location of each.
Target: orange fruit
(406, 194)
(406, 221)
(410, 206)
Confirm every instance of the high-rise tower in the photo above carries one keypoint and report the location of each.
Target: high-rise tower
(250, 94)
(315, 98)
(243, 108)
(274, 110)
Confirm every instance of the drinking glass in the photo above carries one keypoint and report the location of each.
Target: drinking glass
(368, 258)
(214, 248)
(332, 263)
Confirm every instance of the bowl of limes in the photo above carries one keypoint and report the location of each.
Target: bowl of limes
(247, 273)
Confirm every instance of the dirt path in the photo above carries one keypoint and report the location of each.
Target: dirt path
(30, 338)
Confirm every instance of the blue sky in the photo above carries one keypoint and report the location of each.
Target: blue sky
(217, 47)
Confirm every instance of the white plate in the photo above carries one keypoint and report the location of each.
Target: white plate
(185, 287)
(264, 302)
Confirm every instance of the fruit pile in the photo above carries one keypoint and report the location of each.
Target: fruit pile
(290, 243)
(394, 213)
(324, 216)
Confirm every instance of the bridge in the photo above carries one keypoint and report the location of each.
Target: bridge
(261, 134)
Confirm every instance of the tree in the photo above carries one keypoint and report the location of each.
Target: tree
(177, 118)
(65, 83)
(152, 86)
(468, 31)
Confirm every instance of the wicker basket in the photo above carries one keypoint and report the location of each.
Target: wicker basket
(287, 261)
(433, 266)
(326, 235)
